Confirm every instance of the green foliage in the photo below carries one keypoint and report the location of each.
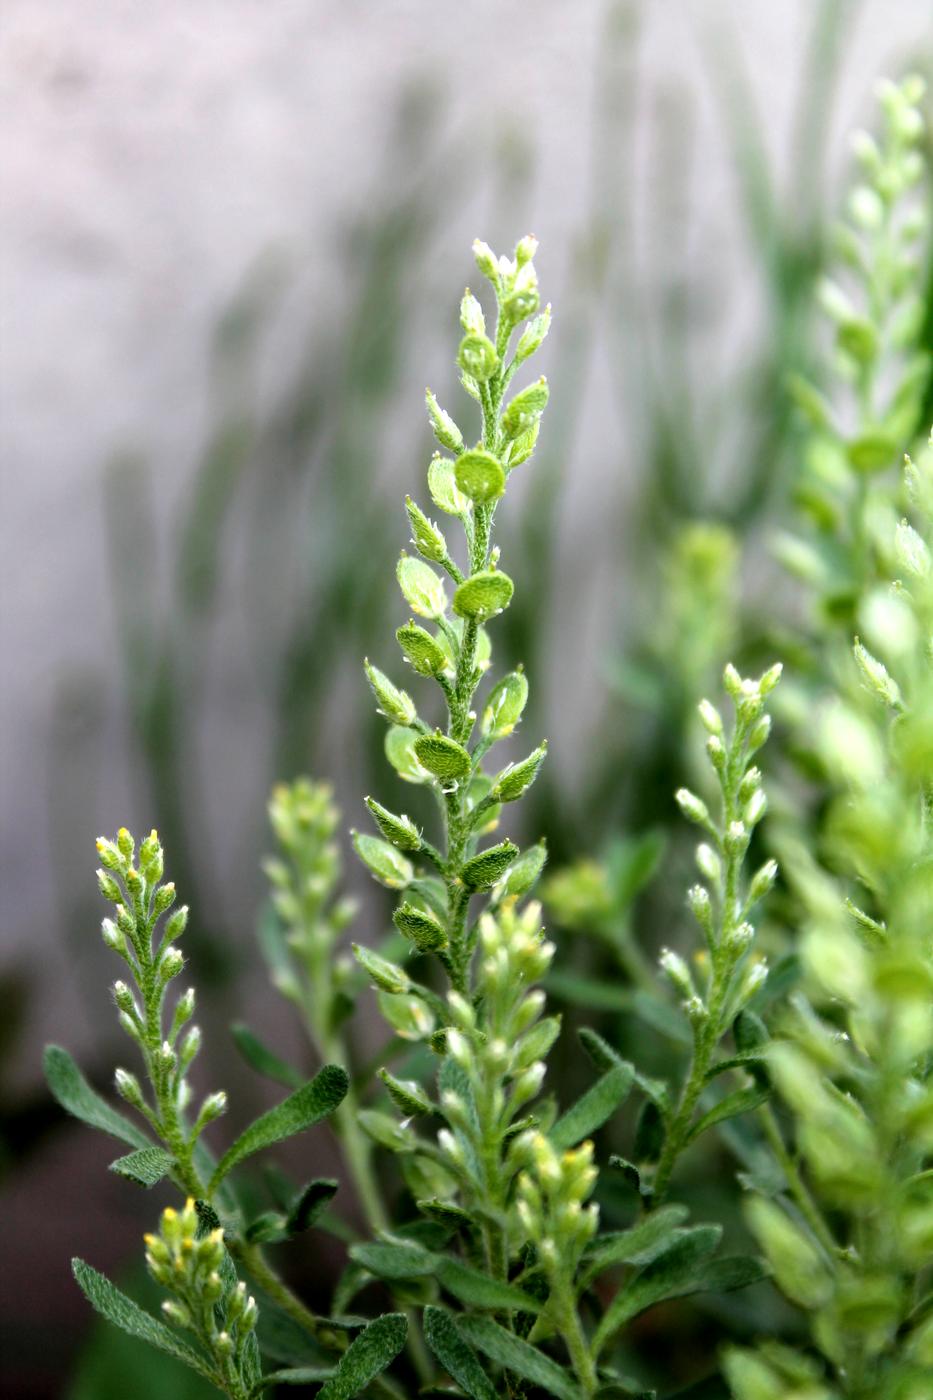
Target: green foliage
(520, 1251)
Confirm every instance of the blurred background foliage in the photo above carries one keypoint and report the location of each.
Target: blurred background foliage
(282, 550)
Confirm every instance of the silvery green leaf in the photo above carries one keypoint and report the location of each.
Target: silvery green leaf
(117, 1308)
(146, 1167)
(70, 1088)
(456, 1355)
(673, 1274)
(594, 1107)
(308, 1105)
(519, 1356)
(366, 1357)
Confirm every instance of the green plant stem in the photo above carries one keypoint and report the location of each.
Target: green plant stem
(798, 1188)
(568, 1322)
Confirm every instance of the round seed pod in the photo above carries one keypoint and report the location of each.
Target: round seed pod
(483, 595)
(480, 475)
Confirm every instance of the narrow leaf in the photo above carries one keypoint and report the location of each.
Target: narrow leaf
(478, 1290)
(639, 1245)
(117, 1308)
(596, 1105)
(297, 1375)
(70, 1088)
(741, 1101)
(263, 1060)
(371, 1352)
(300, 1110)
(456, 1355)
(735, 1271)
(393, 1261)
(674, 1274)
(519, 1356)
(146, 1167)
(310, 1204)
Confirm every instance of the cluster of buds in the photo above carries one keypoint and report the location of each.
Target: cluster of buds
(499, 1043)
(132, 883)
(206, 1299)
(550, 1202)
(303, 876)
(722, 903)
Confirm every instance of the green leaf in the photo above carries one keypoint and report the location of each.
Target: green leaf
(394, 1261)
(649, 1133)
(872, 451)
(367, 1356)
(263, 1060)
(456, 1355)
(596, 1105)
(735, 1271)
(478, 1290)
(746, 1059)
(300, 1110)
(117, 1308)
(70, 1088)
(639, 1245)
(673, 1274)
(519, 1356)
(662, 1017)
(309, 1204)
(740, 1101)
(146, 1167)
(297, 1375)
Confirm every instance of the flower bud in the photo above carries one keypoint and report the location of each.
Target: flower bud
(712, 719)
(393, 703)
(213, 1106)
(486, 261)
(708, 863)
(693, 807)
(164, 898)
(471, 314)
(113, 936)
(109, 887)
(477, 356)
(110, 857)
(127, 1086)
(124, 998)
(444, 427)
(762, 880)
(677, 972)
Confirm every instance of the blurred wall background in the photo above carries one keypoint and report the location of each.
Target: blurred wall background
(233, 236)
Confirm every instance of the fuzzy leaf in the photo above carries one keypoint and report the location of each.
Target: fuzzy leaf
(591, 1111)
(117, 1308)
(70, 1088)
(478, 1290)
(308, 1105)
(310, 1204)
(393, 1260)
(297, 1375)
(519, 1356)
(639, 1245)
(740, 1101)
(263, 1060)
(146, 1167)
(456, 1355)
(673, 1274)
(367, 1356)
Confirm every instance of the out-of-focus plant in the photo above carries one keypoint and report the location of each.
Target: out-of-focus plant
(854, 1061)
(209, 1319)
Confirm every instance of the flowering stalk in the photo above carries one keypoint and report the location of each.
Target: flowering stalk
(722, 904)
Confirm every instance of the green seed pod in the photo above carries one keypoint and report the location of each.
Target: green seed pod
(482, 872)
(533, 335)
(420, 928)
(401, 831)
(484, 595)
(408, 1016)
(445, 429)
(514, 780)
(421, 588)
(426, 537)
(400, 751)
(798, 1266)
(447, 760)
(521, 304)
(422, 651)
(525, 409)
(396, 705)
(385, 975)
(407, 1095)
(480, 476)
(471, 314)
(442, 485)
(504, 707)
(477, 357)
(387, 864)
(522, 874)
(385, 1131)
(522, 447)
